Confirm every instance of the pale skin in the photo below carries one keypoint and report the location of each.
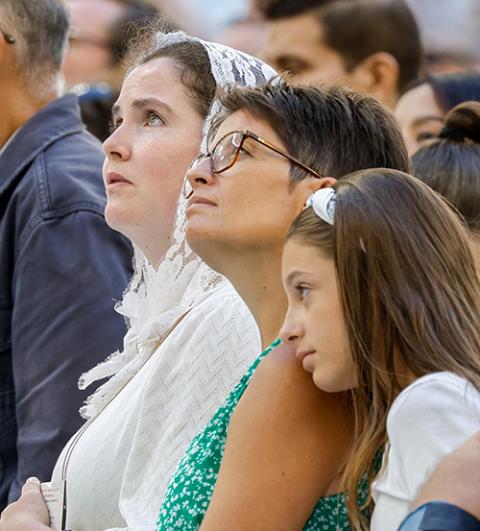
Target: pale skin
(301, 434)
(295, 46)
(157, 133)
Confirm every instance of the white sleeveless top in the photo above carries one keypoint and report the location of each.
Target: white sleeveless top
(121, 465)
(428, 420)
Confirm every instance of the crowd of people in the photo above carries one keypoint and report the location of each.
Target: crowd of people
(262, 295)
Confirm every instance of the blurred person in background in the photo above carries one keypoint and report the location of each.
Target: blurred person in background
(423, 106)
(451, 166)
(93, 68)
(61, 266)
(373, 46)
(450, 35)
(245, 33)
(207, 18)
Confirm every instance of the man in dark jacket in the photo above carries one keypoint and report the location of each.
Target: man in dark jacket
(61, 267)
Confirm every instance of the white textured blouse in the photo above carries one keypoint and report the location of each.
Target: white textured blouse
(429, 419)
(120, 466)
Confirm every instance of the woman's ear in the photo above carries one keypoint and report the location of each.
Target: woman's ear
(377, 75)
(317, 184)
(313, 184)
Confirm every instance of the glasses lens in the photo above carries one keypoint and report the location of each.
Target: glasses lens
(224, 152)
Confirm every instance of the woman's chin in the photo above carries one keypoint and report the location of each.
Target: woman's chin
(121, 220)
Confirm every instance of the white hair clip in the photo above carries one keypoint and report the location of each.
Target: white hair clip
(323, 204)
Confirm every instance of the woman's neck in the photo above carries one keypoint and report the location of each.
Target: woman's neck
(257, 278)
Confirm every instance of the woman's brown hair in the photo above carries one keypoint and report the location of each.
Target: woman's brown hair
(190, 58)
(451, 165)
(410, 296)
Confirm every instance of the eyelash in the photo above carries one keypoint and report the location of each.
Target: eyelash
(148, 114)
(115, 123)
(300, 289)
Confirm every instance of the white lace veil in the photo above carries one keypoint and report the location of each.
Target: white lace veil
(157, 297)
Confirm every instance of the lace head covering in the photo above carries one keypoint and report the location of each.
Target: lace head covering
(158, 296)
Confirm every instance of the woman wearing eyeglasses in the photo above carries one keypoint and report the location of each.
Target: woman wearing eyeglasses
(278, 468)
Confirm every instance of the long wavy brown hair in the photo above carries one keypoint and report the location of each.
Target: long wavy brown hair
(410, 295)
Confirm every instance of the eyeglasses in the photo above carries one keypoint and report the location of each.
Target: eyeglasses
(227, 150)
(8, 38)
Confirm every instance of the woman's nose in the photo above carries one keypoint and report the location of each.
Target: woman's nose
(200, 172)
(117, 146)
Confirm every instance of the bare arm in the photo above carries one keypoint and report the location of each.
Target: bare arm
(285, 445)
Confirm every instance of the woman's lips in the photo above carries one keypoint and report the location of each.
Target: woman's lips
(197, 200)
(113, 178)
(302, 355)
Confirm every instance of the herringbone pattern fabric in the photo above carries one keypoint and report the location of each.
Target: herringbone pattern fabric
(121, 465)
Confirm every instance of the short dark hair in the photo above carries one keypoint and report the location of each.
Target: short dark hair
(451, 165)
(190, 58)
(40, 28)
(334, 130)
(357, 29)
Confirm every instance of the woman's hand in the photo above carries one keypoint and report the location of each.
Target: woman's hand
(29, 512)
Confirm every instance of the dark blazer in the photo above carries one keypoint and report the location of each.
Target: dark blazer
(61, 271)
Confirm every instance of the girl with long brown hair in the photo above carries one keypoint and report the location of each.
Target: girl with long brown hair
(384, 300)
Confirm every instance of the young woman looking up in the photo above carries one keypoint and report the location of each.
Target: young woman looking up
(286, 442)
(191, 337)
(384, 302)
(451, 166)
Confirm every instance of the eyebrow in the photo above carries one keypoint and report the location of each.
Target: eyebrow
(292, 276)
(142, 103)
(427, 118)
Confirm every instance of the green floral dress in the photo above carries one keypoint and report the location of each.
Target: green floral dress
(190, 490)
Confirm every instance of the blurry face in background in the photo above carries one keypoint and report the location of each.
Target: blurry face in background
(420, 117)
(157, 133)
(89, 57)
(294, 46)
(244, 35)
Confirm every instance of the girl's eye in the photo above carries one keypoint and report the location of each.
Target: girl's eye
(302, 291)
(154, 119)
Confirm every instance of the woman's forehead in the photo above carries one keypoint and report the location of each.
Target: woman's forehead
(241, 120)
